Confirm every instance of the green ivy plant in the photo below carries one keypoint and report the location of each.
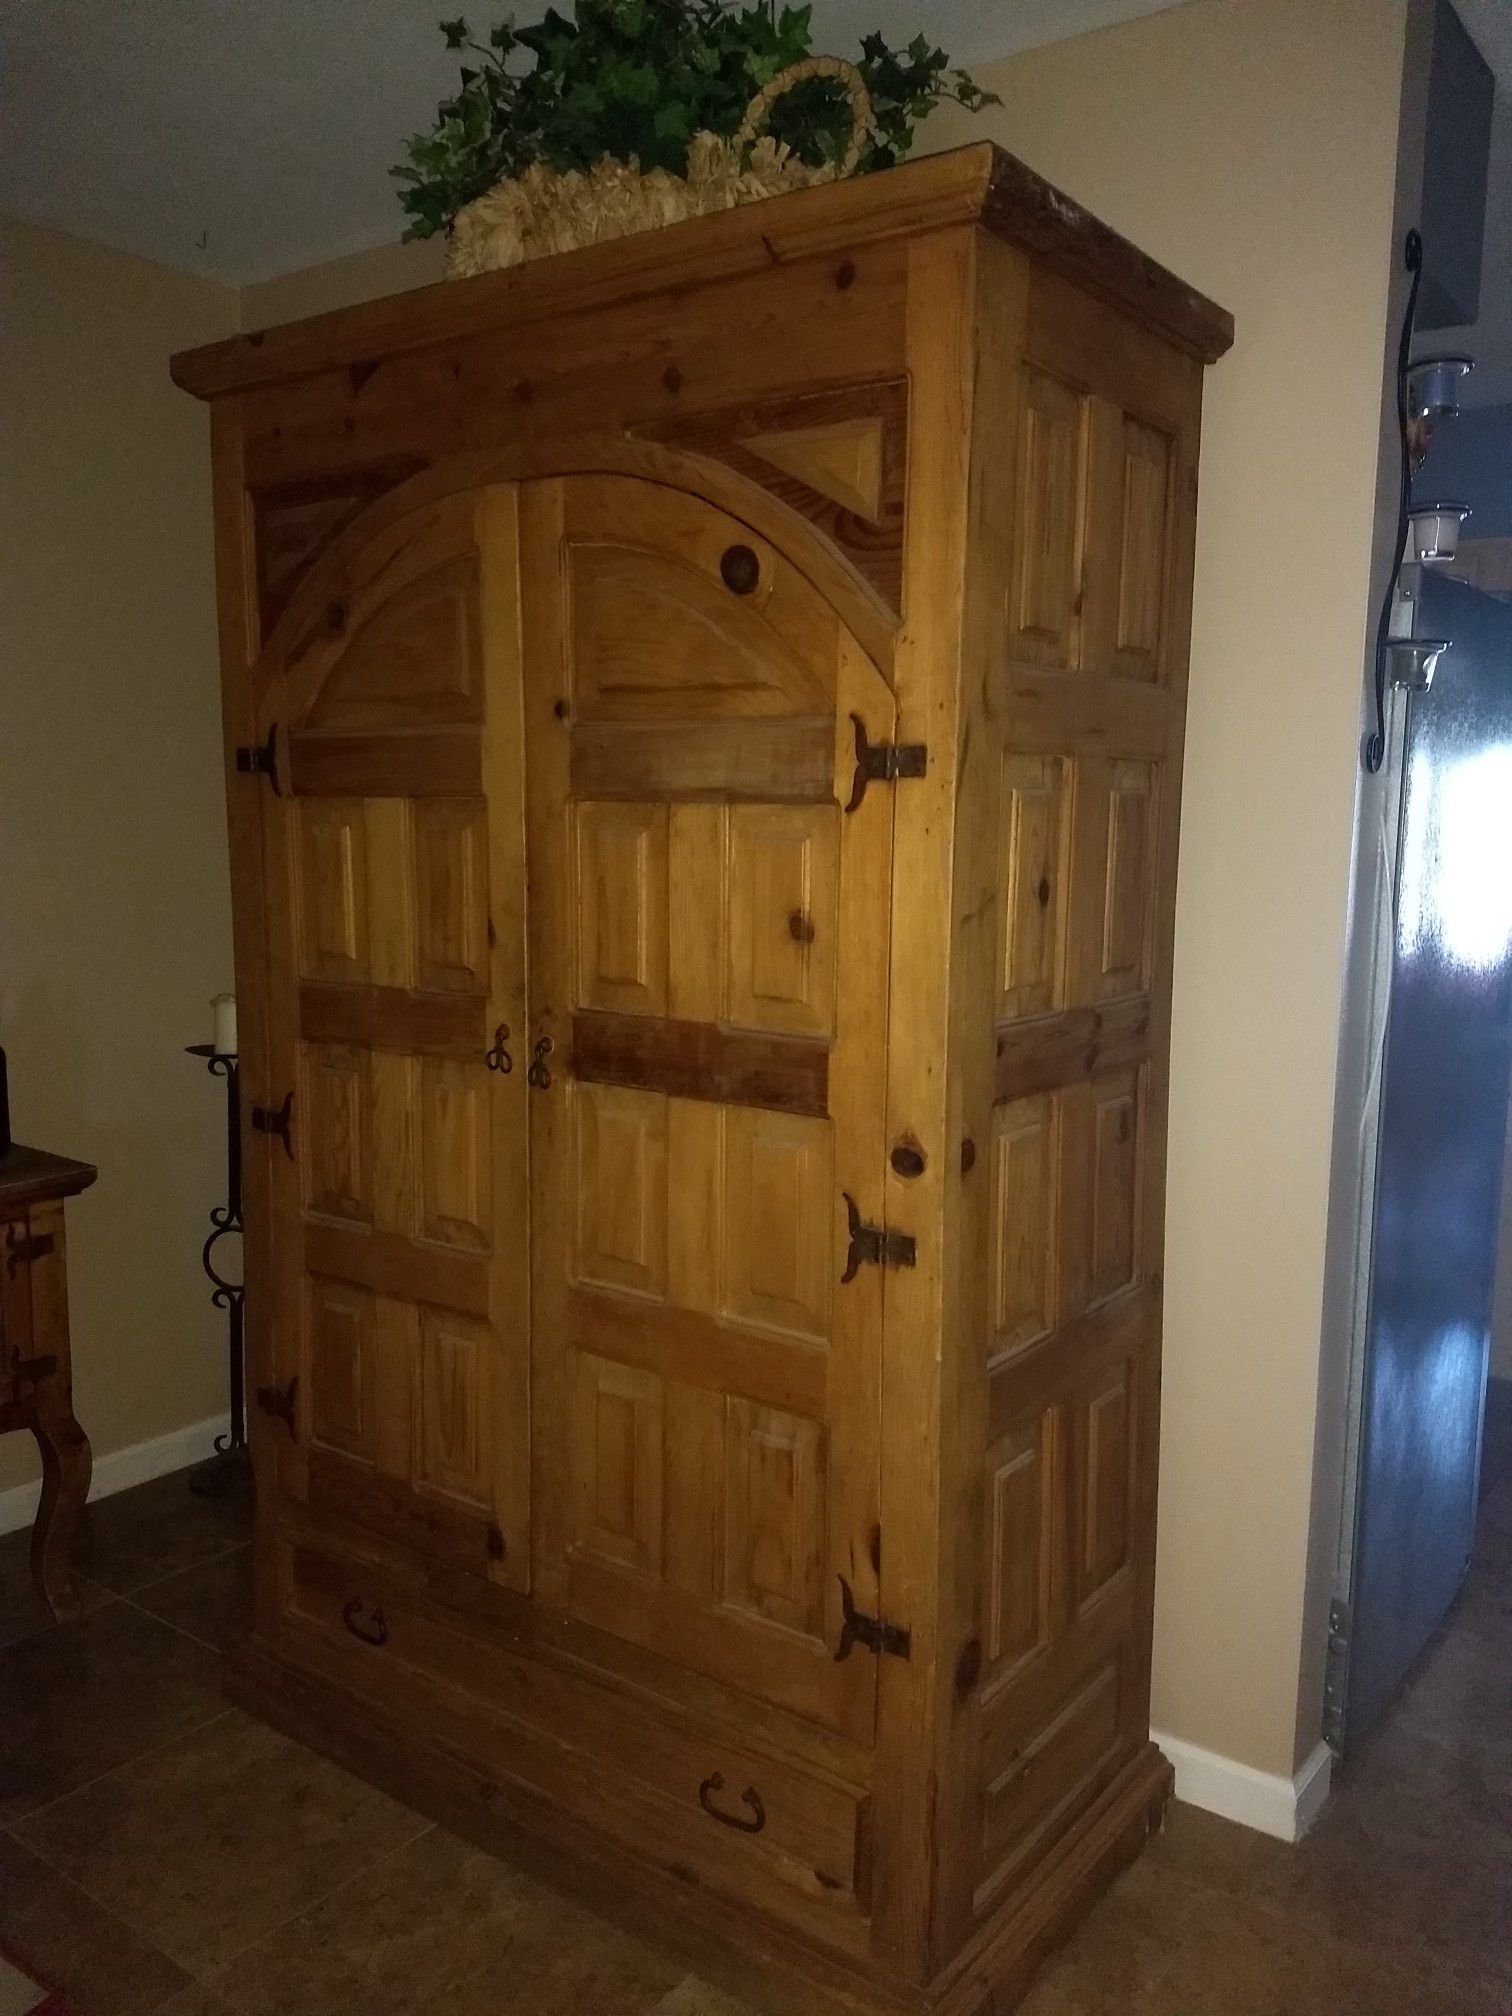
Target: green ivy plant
(636, 79)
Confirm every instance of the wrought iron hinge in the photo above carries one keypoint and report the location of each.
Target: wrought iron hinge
(883, 762)
(1336, 1672)
(22, 1252)
(279, 1402)
(875, 1633)
(260, 759)
(874, 1245)
(277, 1120)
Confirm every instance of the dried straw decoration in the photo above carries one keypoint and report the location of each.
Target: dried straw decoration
(544, 211)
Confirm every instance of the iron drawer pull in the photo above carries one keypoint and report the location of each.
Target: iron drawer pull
(498, 1058)
(539, 1074)
(750, 1797)
(373, 1633)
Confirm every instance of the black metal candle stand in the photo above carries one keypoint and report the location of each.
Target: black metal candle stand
(229, 1471)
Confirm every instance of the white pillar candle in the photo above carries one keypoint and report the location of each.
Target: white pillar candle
(224, 1039)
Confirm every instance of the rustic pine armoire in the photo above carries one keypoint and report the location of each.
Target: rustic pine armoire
(704, 723)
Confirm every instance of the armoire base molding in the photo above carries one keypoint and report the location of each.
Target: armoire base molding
(509, 1819)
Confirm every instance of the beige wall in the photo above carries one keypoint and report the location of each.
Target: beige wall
(114, 918)
(1250, 144)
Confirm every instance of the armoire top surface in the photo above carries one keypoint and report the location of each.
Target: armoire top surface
(977, 184)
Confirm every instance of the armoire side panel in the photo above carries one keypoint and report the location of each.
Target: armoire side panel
(1088, 703)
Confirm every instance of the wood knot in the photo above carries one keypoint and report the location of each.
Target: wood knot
(672, 378)
(801, 928)
(336, 616)
(908, 1159)
(739, 569)
(560, 709)
(968, 1156)
(845, 274)
(1043, 891)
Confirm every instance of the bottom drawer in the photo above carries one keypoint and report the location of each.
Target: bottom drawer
(704, 1805)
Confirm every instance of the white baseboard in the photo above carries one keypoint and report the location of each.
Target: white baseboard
(1284, 1807)
(124, 1467)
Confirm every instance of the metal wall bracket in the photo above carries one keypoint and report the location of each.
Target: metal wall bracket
(279, 1401)
(883, 762)
(260, 759)
(875, 1633)
(277, 1120)
(874, 1245)
(1336, 1672)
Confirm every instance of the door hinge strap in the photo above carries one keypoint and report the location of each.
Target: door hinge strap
(260, 759)
(277, 1120)
(882, 762)
(875, 1633)
(279, 1401)
(874, 1245)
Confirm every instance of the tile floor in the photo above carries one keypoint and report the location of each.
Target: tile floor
(162, 1854)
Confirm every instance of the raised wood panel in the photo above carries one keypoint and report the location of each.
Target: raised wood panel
(415, 660)
(655, 639)
(451, 890)
(1033, 876)
(340, 1327)
(336, 1115)
(1128, 894)
(1023, 1563)
(617, 1463)
(1107, 1508)
(1143, 553)
(1025, 1220)
(391, 763)
(779, 1218)
(1114, 1184)
(622, 908)
(781, 931)
(455, 1359)
(333, 890)
(1045, 596)
(620, 1188)
(1044, 1779)
(776, 1538)
(456, 1154)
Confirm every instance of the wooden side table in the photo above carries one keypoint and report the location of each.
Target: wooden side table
(35, 1386)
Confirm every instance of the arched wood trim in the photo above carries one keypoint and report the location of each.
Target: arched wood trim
(858, 605)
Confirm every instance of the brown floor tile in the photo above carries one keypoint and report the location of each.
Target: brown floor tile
(86, 1697)
(22, 1611)
(1159, 1945)
(696, 1998)
(209, 1843)
(157, 1529)
(442, 1926)
(212, 1602)
(101, 1965)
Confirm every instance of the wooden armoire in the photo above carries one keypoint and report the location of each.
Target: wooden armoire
(703, 738)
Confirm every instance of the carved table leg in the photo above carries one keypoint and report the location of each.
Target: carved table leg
(66, 1468)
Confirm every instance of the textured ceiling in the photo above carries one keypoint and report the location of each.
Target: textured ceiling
(244, 138)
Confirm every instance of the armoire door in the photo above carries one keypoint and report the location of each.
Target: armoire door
(395, 1015)
(708, 970)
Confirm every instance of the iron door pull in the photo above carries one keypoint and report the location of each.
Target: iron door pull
(498, 1057)
(373, 1632)
(538, 1075)
(750, 1797)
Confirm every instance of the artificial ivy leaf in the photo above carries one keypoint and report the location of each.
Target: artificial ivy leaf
(455, 33)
